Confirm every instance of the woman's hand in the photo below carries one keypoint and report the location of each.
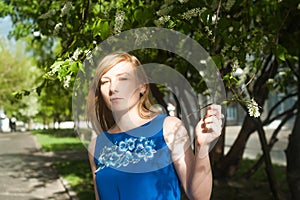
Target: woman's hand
(208, 129)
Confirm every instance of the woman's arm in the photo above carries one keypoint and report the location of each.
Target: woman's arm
(194, 170)
(91, 150)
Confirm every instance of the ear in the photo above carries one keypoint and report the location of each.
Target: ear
(143, 88)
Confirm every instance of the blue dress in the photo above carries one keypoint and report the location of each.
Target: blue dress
(136, 164)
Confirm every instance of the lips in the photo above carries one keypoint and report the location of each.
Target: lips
(115, 99)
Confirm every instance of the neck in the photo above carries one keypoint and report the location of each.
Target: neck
(126, 120)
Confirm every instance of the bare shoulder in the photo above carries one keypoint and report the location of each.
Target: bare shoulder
(171, 121)
(171, 125)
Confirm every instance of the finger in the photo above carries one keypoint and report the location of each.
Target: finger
(212, 124)
(213, 119)
(214, 110)
(213, 127)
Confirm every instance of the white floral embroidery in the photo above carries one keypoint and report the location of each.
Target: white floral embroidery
(131, 150)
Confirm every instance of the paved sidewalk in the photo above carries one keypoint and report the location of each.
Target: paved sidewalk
(25, 172)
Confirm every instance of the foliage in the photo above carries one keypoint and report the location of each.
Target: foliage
(18, 72)
(231, 31)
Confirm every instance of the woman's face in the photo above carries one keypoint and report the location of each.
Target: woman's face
(120, 88)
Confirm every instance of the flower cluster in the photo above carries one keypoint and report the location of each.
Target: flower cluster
(183, 1)
(119, 21)
(57, 28)
(48, 14)
(191, 13)
(131, 150)
(67, 80)
(162, 20)
(66, 9)
(253, 108)
(141, 36)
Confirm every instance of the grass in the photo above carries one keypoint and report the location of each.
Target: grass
(77, 172)
(58, 140)
(256, 187)
(78, 175)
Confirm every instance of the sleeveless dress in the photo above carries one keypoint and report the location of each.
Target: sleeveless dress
(136, 165)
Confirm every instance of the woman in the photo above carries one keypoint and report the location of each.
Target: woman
(141, 154)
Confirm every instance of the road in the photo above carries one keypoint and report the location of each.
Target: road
(253, 147)
(25, 173)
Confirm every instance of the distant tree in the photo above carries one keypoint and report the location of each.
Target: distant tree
(18, 72)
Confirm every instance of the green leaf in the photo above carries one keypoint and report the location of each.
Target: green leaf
(281, 52)
(26, 92)
(104, 30)
(138, 15)
(18, 95)
(229, 4)
(73, 67)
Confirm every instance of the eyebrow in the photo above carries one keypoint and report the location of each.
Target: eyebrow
(120, 74)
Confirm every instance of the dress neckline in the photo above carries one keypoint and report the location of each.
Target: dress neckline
(145, 124)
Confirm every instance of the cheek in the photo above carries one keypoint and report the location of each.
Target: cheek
(104, 92)
(130, 88)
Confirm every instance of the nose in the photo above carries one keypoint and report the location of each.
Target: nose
(113, 88)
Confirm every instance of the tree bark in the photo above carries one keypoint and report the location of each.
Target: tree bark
(267, 158)
(229, 164)
(293, 159)
(272, 141)
(293, 155)
(293, 151)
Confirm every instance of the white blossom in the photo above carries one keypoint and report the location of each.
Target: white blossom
(67, 7)
(209, 32)
(54, 68)
(253, 108)
(67, 80)
(165, 10)
(119, 21)
(183, 1)
(76, 54)
(191, 13)
(235, 65)
(48, 14)
(235, 48)
(141, 36)
(57, 28)
(162, 20)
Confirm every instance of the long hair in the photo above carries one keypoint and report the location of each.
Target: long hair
(99, 114)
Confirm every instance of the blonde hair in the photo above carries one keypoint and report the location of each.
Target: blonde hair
(99, 114)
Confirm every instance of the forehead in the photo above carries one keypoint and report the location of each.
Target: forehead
(120, 68)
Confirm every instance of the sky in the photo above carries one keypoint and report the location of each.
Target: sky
(5, 26)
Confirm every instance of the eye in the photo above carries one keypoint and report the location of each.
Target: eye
(123, 79)
(104, 82)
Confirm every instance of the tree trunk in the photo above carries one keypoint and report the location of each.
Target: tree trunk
(293, 152)
(293, 157)
(267, 158)
(271, 143)
(228, 166)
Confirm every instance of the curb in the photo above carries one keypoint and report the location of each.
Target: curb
(68, 188)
